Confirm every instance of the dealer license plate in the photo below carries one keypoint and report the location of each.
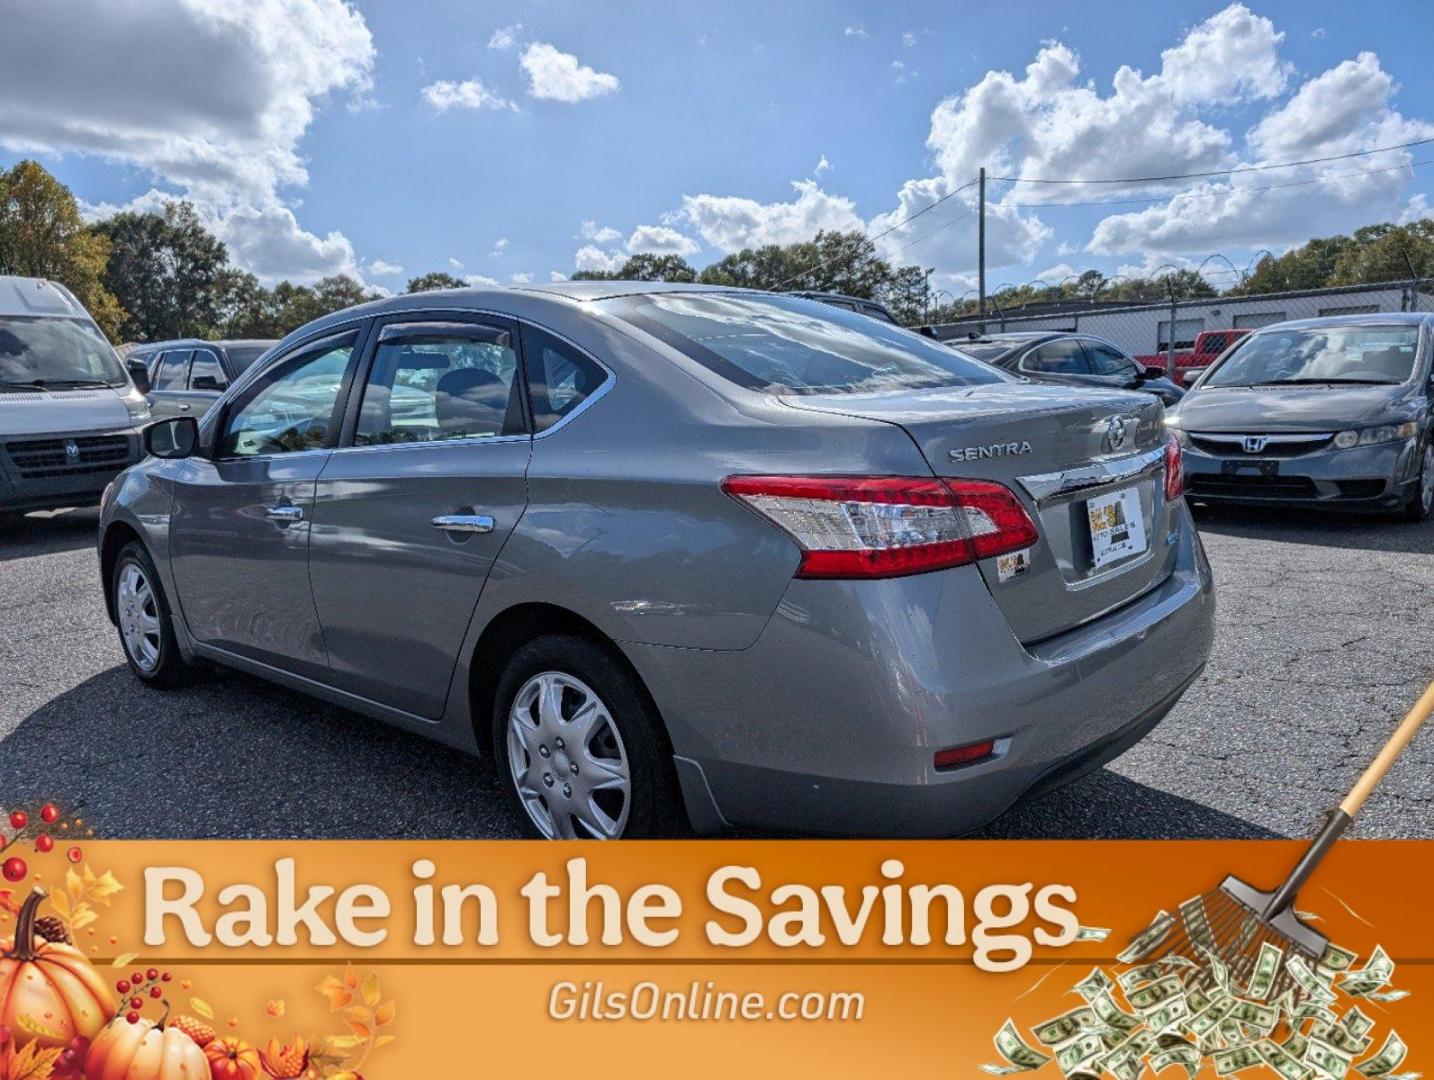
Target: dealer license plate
(1117, 528)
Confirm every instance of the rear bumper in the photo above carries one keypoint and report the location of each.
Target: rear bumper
(1374, 478)
(39, 472)
(829, 723)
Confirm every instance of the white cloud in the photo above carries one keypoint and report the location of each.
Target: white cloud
(908, 39)
(454, 263)
(598, 234)
(1317, 32)
(1229, 57)
(554, 75)
(383, 268)
(557, 275)
(520, 278)
(1059, 272)
(500, 245)
(660, 240)
(855, 31)
(468, 94)
(505, 37)
(731, 222)
(591, 257)
(823, 165)
(218, 122)
(479, 279)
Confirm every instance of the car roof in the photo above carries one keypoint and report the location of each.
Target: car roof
(38, 298)
(1375, 318)
(223, 343)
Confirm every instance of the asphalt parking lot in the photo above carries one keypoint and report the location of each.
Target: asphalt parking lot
(1325, 635)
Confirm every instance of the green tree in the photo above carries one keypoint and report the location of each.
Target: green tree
(42, 235)
(166, 270)
(1386, 253)
(905, 296)
(245, 308)
(643, 267)
(437, 279)
(1309, 266)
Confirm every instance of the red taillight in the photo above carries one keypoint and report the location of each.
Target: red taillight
(885, 526)
(1174, 469)
(964, 755)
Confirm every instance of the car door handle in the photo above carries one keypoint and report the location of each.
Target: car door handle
(463, 523)
(284, 513)
(184, 406)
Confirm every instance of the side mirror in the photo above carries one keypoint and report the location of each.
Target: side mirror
(139, 375)
(170, 439)
(208, 382)
(1151, 371)
(1190, 376)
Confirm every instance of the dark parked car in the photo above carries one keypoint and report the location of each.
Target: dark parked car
(187, 376)
(851, 303)
(1069, 359)
(1331, 412)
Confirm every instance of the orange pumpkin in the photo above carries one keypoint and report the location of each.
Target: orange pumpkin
(49, 994)
(232, 1059)
(144, 1051)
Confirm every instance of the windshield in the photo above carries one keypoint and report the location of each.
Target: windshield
(789, 345)
(56, 353)
(989, 351)
(1332, 354)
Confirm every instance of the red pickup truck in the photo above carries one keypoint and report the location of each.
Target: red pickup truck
(1189, 363)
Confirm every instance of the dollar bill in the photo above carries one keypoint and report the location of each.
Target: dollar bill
(1236, 1059)
(1112, 1015)
(1217, 969)
(1149, 939)
(1329, 1060)
(1208, 1019)
(1257, 1015)
(1094, 984)
(1092, 933)
(1063, 1028)
(1267, 966)
(1186, 1056)
(1197, 923)
(1020, 1056)
(1080, 1052)
(1308, 981)
(1387, 995)
(1336, 959)
(1281, 1060)
(1168, 1015)
(1391, 1055)
(1296, 1044)
(1355, 1022)
(1151, 996)
(1375, 974)
(1340, 1037)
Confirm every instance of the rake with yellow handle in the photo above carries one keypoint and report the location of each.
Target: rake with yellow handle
(1238, 918)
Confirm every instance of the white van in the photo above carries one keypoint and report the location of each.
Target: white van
(70, 414)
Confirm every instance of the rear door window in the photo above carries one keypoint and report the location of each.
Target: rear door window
(1106, 360)
(560, 378)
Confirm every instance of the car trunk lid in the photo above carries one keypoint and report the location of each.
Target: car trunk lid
(1068, 456)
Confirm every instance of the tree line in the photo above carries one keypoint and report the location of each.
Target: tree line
(155, 275)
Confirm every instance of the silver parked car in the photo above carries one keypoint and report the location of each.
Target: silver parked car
(1335, 412)
(677, 556)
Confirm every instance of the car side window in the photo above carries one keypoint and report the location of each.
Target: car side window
(205, 372)
(560, 378)
(291, 406)
(1063, 357)
(1105, 360)
(430, 384)
(172, 372)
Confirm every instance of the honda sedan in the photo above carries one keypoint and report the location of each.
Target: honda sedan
(677, 557)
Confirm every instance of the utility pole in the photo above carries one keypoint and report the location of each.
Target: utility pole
(981, 253)
(926, 296)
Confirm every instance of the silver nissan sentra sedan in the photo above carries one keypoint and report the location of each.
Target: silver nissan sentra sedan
(679, 557)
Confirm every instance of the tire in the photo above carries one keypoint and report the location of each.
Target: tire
(612, 780)
(146, 627)
(1421, 500)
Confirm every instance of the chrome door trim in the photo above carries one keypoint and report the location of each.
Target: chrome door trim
(463, 523)
(1043, 487)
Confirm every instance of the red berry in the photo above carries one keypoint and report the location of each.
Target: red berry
(14, 869)
(74, 854)
(155, 991)
(137, 978)
(49, 813)
(132, 1017)
(166, 977)
(122, 986)
(136, 1003)
(152, 974)
(19, 819)
(43, 844)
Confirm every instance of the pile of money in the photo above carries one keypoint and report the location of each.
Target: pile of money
(1193, 1011)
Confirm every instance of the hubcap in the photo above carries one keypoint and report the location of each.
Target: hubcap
(1426, 479)
(567, 759)
(138, 617)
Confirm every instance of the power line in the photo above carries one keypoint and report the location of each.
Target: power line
(884, 232)
(1216, 172)
(1221, 194)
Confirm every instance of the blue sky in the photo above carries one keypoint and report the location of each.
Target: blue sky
(318, 136)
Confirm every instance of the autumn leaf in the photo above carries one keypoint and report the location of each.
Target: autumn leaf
(103, 888)
(32, 1062)
(74, 885)
(7, 902)
(276, 1008)
(351, 979)
(363, 1031)
(202, 1007)
(123, 960)
(371, 993)
(384, 1014)
(383, 1040)
(337, 993)
(342, 1042)
(359, 1013)
(61, 903)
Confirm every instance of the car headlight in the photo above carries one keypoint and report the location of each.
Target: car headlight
(1384, 433)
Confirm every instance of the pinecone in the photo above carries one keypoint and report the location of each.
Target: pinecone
(197, 1030)
(52, 929)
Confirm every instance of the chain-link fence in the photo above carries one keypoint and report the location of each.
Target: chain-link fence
(1178, 334)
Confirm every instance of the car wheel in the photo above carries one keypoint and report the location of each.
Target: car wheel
(580, 747)
(1421, 502)
(146, 627)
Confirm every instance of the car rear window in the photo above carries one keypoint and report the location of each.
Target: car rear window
(790, 345)
(1327, 354)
